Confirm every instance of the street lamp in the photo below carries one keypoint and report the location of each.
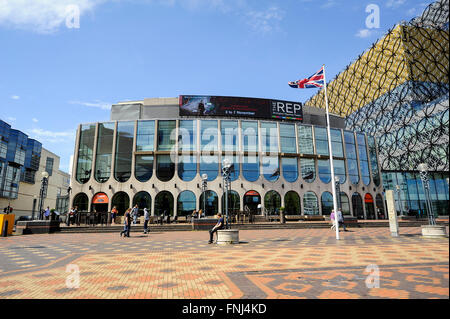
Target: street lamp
(204, 186)
(338, 191)
(44, 183)
(226, 170)
(423, 170)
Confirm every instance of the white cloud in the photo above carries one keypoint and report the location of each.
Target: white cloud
(15, 97)
(11, 119)
(35, 120)
(364, 33)
(51, 136)
(41, 16)
(97, 103)
(265, 21)
(328, 4)
(394, 3)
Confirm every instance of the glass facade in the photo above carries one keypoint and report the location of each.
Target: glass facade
(287, 138)
(124, 151)
(269, 137)
(352, 159)
(104, 151)
(310, 204)
(290, 168)
(250, 168)
(363, 159)
(230, 135)
(85, 153)
(187, 167)
(186, 203)
(166, 135)
(187, 135)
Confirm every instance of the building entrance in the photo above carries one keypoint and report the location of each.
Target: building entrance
(251, 200)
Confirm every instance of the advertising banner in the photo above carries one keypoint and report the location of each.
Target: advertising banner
(197, 105)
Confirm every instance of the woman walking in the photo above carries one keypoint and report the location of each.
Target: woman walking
(146, 219)
(127, 224)
(113, 215)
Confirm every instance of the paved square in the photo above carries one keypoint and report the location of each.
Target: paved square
(288, 263)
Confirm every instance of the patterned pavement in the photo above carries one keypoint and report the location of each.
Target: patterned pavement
(297, 263)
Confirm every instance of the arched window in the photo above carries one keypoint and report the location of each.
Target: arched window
(144, 167)
(165, 168)
(143, 200)
(251, 200)
(327, 203)
(292, 203)
(324, 170)
(270, 168)
(164, 202)
(234, 204)
(250, 167)
(357, 205)
(104, 152)
(121, 201)
(345, 204)
(209, 164)
(290, 169)
(100, 203)
(124, 151)
(81, 201)
(210, 205)
(85, 153)
(187, 167)
(272, 202)
(370, 209)
(308, 169)
(185, 203)
(310, 204)
(380, 207)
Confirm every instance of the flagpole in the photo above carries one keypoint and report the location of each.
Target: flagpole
(333, 187)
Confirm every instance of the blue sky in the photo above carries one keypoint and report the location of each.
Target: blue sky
(54, 77)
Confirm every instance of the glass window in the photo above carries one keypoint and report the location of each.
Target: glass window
(363, 159)
(308, 169)
(251, 201)
(290, 169)
(324, 170)
(269, 137)
(229, 130)
(124, 151)
(344, 204)
(81, 201)
(210, 206)
(305, 140)
(287, 138)
(209, 135)
(187, 167)
(143, 167)
(352, 160)
(336, 143)
(250, 136)
(143, 200)
(234, 175)
(145, 136)
(321, 140)
(272, 202)
(209, 164)
(187, 135)
(166, 135)
(85, 153)
(121, 201)
(373, 160)
(327, 203)
(164, 203)
(234, 205)
(357, 204)
(49, 165)
(186, 203)
(250, 168)
(310, 204)
(270, 168)
(292, 203)
(104, 152)
(339, 170)
(165, 168)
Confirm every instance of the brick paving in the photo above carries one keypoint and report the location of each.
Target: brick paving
(282, 263)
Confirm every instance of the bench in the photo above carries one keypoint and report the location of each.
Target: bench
(293, 217)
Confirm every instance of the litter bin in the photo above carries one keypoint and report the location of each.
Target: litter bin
(10, 219)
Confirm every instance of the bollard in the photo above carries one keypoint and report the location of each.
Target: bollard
(5, 229)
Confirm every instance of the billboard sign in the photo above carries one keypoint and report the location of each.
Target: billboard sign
(200, 105)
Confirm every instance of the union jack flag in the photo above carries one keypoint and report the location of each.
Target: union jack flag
(314, 81)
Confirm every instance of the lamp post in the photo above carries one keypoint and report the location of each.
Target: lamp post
(423, 170)
(44, 183)
(226, 170)
(204, 186)
(338, 191)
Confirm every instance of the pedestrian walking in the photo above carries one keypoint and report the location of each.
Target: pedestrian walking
(340, 219)
(333, 219)
(135, 213)
(146, 219)
(47, 213)
(126, 223)
(71, 216)
(219, 225)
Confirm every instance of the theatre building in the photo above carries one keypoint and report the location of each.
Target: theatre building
(167, 154)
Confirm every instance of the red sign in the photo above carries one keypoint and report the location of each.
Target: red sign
(252, 193)
(100, 198)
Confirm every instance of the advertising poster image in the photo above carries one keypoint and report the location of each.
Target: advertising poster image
(197, 105)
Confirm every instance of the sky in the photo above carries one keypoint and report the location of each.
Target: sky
(64, 62)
